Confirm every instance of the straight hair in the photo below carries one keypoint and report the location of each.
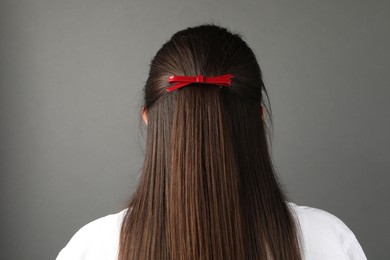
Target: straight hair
(208, 189)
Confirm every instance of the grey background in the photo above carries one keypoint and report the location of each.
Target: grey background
(71, 76)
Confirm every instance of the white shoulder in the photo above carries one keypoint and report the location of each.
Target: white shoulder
(96, 240)
(326, 235)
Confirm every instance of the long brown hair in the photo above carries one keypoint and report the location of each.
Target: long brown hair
(207, 189)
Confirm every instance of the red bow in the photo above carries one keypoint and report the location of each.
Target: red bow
(223, 80)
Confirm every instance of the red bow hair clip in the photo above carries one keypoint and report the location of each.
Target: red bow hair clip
(223, 80)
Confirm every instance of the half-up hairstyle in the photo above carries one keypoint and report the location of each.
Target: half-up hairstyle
(208, 189)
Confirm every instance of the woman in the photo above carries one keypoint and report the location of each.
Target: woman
(208, 189)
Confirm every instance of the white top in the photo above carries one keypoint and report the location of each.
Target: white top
(325, 237)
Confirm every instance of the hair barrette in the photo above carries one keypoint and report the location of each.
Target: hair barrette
(181, 81)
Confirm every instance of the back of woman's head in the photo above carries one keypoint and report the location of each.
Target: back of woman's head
(207, 189)
(208, 50)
